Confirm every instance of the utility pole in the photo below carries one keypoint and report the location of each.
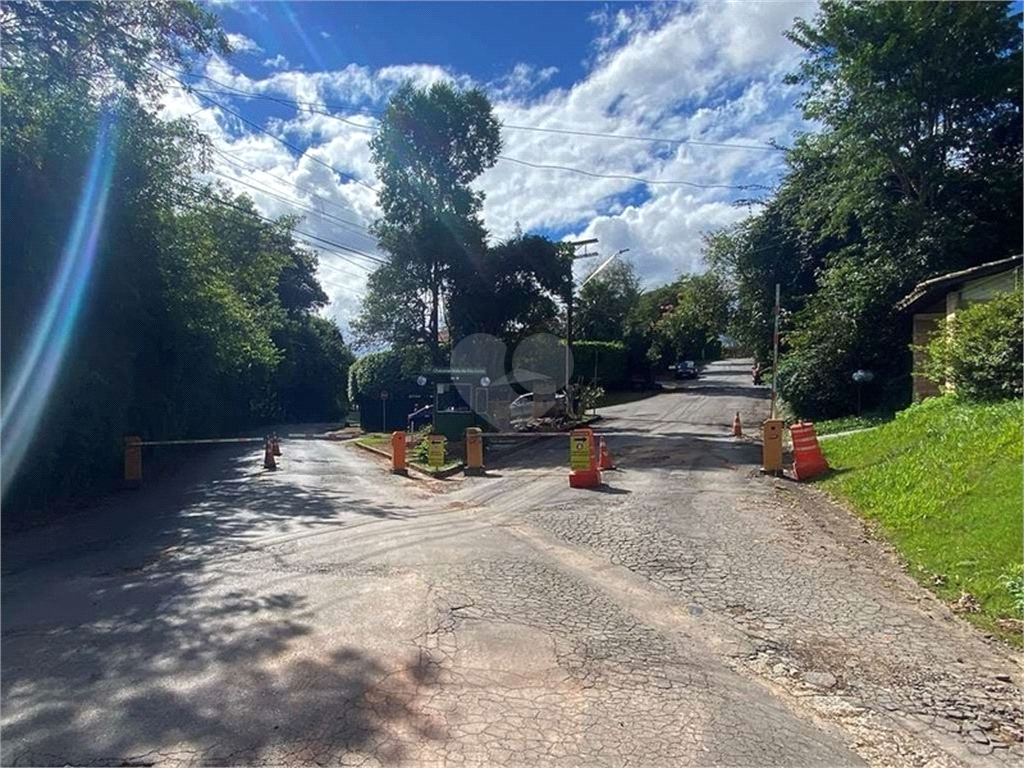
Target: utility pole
(568, 320)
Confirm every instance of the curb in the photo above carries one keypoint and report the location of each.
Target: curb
(411, 465)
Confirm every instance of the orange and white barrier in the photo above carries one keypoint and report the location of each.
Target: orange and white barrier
(808, 460)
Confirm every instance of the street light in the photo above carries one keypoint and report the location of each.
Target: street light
(568, 319)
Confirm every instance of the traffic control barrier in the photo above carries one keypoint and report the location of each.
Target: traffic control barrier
(133, 459)
(808, 460)
(268, 455)
(275, 444)
(398, 453)
(584, 472)
(737, 428)
(474, 451)
(605, 458)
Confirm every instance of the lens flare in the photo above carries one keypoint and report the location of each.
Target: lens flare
(25, 400)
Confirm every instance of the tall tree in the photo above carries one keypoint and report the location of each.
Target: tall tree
(605, 302)
(431, 145)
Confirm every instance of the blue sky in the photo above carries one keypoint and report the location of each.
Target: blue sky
(641, 125)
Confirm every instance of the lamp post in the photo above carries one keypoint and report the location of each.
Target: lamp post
(568, 316)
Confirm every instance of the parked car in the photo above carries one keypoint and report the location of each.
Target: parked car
(686, 369)
(420, 418)
(521, 408)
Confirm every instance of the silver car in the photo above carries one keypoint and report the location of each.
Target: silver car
(521, 409)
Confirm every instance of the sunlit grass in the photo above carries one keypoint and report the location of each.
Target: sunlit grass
(849, 423)
(944, 481)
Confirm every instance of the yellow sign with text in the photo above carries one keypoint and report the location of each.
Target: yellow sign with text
(580, 449)
(435, 451)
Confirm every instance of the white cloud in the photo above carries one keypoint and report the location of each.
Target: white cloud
(242, 44)
(278, 62)
(703, 74)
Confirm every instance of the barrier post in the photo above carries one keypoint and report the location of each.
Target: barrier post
(398, 453)
(474, 451)
(771, 446)
(133, 459)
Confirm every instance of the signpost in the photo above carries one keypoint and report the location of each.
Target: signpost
(435, 451)
(384, 409)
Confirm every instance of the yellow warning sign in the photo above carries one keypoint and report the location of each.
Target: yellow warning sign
(435, 450)
(579, 450)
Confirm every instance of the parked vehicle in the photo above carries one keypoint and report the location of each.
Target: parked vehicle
(686, 369)
(521, 409)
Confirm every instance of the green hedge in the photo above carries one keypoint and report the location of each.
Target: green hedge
(611, 358)
(388, 369)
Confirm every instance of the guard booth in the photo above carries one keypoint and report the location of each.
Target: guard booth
(460, 399)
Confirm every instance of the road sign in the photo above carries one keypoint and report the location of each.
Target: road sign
(383, 394)
(435, 450)
(580, 449)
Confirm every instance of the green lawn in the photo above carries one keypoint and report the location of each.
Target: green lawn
(944, 482)
(849, 423)
(380, 440)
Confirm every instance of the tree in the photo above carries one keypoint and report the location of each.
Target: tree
(513, 291)
(605, 302)
(689, 326)
(109, 46)
(430, 146)
(916, 171)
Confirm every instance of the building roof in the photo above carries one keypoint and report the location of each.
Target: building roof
(929, 290)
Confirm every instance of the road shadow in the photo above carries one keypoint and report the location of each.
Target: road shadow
(115, 634)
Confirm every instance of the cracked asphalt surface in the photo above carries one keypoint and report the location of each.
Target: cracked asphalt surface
(692, 612)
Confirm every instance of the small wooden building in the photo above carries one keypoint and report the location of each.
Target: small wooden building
(940, 297)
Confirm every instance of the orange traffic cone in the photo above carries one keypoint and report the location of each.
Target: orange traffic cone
(605, 460)
(268, 455)
(275, 444)
(737, 428)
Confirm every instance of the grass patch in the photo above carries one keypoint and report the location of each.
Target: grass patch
(849, 423)
(944, 482)
(379, 440)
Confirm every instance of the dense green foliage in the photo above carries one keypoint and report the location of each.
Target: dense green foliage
(430, 145)
(916, 171)
(605, 303)
(980, 350)
(944, 482)
(196, 316)
(601, 362)
(388, 370)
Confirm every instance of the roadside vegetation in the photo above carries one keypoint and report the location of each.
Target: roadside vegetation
(186, 313)
(944, 482)
(850, 423)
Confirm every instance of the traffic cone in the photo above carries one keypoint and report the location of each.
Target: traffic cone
(276, 445)
(605, 460)
(737, 428)
(268, 455)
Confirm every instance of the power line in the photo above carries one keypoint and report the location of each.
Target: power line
(310, 235)
(651, 139)
(232, 160)
(267, 192)
(623, 176)
(278, 139)
(314, 108)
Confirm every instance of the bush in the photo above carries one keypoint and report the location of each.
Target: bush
(384, 370)
(980, 351)
(612, 362)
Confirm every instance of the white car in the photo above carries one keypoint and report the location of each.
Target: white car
(521, 409)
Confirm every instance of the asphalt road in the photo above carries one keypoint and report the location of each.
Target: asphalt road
(691, 612)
